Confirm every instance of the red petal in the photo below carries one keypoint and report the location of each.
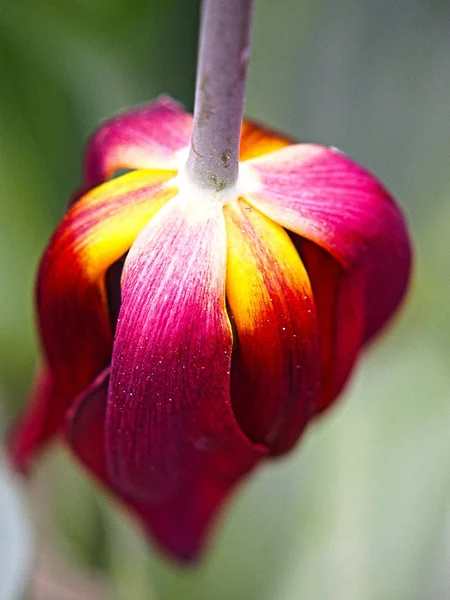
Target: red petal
(73, 313)
(177, 524)
(172, 441)
(322, 195)
(275, 365)
(339, 301)
(145, 138)
(85, 425)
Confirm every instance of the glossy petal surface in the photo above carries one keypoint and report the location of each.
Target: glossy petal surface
(323, 196)
(172, 441)
(74, 320)
(275, 368)
(145, 138)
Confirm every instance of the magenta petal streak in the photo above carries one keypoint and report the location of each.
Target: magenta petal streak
(171, 435)
(324, 196)
(145, 138)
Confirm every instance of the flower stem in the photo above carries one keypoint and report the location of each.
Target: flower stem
(213, 160)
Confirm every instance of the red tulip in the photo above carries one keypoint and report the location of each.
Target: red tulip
(188, 334)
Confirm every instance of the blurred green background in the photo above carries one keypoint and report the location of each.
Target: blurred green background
(361, 510)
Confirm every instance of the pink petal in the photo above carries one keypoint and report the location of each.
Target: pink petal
(325, 197)
(172, 441)
(276, 359)
(145, 138)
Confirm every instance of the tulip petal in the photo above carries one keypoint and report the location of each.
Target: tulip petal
(276, 360)
(257, 140)
(172, 441)
(323, 196)
(72, 306)
(148, 137)
(339, 300)
(177, 526)
(85, 425)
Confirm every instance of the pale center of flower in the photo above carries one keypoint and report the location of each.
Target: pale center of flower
(245, 184)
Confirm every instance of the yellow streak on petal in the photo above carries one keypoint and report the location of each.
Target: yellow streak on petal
(249, 269)
(105, 226)
(122, 185)
(257, 141)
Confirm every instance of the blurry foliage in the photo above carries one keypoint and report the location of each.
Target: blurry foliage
(361, 510)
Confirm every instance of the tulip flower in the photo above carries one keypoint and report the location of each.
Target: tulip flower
(190, 331)
(239, 315)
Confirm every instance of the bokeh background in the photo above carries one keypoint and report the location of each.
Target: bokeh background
(361, 510)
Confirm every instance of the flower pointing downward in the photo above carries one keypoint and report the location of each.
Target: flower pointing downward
(187, 333)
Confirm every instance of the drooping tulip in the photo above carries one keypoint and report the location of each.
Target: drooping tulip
(188, 334)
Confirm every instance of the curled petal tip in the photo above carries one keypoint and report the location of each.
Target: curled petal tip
(180, 522)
